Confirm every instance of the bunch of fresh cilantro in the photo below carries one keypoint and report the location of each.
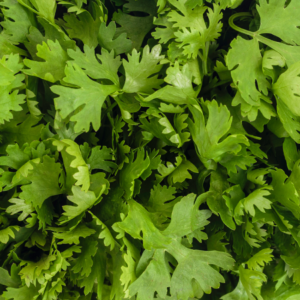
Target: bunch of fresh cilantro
(149, 149)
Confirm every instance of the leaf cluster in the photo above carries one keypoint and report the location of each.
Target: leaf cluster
(149, 149)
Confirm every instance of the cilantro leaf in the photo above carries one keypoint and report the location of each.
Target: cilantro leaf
(138, 71)
(107, 39)
(106, 70)
(211, 151)
(44, 182)
(70, 99)
(100, 159)
(55, 60)
(194, 38)
(136, 27)
(83, 264)
(256, 198)
(20, 206)
(18, 20)
(73, 236)
(181, 281)
(44, 9)
(83, 201)
(247, 72)
(163, 34)
(10, 81)
(147, 284)
(180, 86)
(133, 170)
(84, 27)
(280, 20)
(21, 293)
(252, 282)
(8, 232)
(259, 259)
(284, 192)
(287, 88)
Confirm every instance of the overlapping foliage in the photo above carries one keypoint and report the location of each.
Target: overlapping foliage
(148, 149)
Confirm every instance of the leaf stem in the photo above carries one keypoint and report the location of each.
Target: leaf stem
(205, 58)
(239, 29)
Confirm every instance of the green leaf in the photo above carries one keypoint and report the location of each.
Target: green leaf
(271, 59)
(105, 233)
(241, 160)
(284, 192)
(83, 201)
(89, 94)
(287, 88)
(8, 232)
(256, 198)
(76, 167)
(180, 126)
(280, 19)
(252, 282)
(138, 71)
(22, 293)
(194, 38)
(97, 274)
(247, 73)
(55, 61)
(160, 128)
(20, 206)
(189, 261)
(73, 236)
(207, 136)
(45, 9)
(145, 147)
(10, 82)
(49, 32)
(290, 122)
(160, 200)
(181, 173)
(176, 173)
(214, 242)
(108, 69)
(259, 259)
(100, 159)
(186, 218)
(155, 161)
(136, 27)
(12, 280)
(83, 264)
(294, 176)
(22, 129)
(163, 34)
(186, 16)
(182, 282)
(238, 293)
(33, 271)
(290, 153)
(15, 157)
(290, 53)
(107, 39)
(180, 86)
(216, 201)
(155, 278)
(44, 182)
(18, 20)
(132, 171)
(130, 258)
(83, 27)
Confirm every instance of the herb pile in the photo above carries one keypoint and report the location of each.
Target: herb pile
(148, 149)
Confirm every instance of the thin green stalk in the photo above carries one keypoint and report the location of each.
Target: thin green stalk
(239, 29)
